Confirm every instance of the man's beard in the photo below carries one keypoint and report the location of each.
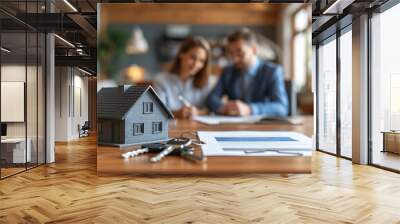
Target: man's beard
(240, 67)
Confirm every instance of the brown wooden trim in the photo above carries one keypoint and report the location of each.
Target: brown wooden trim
(227, 14)
(92, 103)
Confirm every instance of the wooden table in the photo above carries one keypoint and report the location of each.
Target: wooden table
(110, 162)
(391, 141)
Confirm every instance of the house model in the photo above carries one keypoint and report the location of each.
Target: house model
(129, 115)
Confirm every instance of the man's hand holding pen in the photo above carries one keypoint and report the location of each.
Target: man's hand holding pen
(235, 108)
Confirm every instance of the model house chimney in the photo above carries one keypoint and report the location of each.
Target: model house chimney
(123, 88)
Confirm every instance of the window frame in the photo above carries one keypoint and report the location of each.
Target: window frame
(141, 127)
(148, 107)
(38, 47)
(296, 32)
(157, 127)
(380, 9)
(334, 37)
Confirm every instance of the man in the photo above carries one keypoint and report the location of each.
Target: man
(253, 86)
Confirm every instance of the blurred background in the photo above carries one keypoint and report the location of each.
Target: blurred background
(53, 53)
(138, 41)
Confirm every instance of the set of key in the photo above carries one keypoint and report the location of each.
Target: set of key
(175, 146)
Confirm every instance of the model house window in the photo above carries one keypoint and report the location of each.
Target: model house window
(138, 128)
(147, 107)
(157, 127)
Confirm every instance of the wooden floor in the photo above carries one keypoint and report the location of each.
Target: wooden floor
(386, 159)
(69, 191)
(5, 172)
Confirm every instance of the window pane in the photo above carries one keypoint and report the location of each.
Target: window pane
(327, 97)
(41, 98)
(346, 93)
(385, 83)
(157, 127)
(147, 107)
(138, 128)
(300, 54)
(301, 19)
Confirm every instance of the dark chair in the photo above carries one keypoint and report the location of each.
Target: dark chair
(292, 96)
(84, 130)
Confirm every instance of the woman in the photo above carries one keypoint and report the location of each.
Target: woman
(185, 88)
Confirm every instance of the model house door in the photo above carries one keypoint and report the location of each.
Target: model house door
(107, 131)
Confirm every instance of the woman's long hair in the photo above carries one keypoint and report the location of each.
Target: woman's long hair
(201, 77)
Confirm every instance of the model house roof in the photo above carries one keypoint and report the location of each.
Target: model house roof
(115, 102)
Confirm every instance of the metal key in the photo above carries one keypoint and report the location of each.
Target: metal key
(162, 154)
(173, 144)
(180, 142)
(188, 153)
(152, 147)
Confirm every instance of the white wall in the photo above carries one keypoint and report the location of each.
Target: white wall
(80, 108)
(33, 126)
(71, 102)
(16, 73)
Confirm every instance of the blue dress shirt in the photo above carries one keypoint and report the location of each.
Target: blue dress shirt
(262, 86)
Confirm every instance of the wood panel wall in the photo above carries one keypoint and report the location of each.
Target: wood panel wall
(195, 13)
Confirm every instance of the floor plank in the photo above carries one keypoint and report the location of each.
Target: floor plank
(70, 191)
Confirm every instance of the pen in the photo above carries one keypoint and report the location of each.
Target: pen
(184, 101)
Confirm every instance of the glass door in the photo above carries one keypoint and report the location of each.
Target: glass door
(22, 77)
(326, 77)
(346, 93)
(385, 89)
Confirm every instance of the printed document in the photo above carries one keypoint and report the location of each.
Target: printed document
(255, 143)
(218, 119)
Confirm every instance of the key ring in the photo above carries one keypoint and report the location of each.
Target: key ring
(175, 146)
(193, 134)
(180, 142)
(188, 153)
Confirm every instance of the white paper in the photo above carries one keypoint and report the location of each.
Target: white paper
(298, 145)
(227, 119)
(218, 119)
